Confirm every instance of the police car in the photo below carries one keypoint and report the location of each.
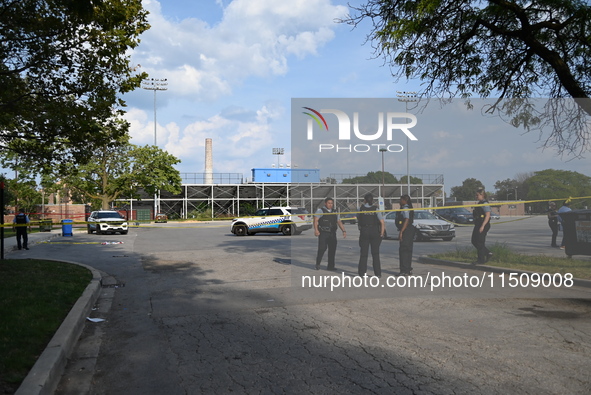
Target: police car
(106, 221)
(286, 220)
(427, 225)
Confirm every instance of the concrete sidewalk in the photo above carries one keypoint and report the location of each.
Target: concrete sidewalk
(36, 238)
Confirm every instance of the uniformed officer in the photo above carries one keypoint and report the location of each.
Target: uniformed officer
(406, 236)
(481, 227)
(326, 222)
(20, 221)
(371, 232)
(553, 222)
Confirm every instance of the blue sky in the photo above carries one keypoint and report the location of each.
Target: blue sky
(234, 66)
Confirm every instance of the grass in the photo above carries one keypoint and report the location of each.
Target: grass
(503, 256)
(35, 297)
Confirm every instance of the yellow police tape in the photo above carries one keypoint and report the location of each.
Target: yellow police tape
(78, 242)
(137, 223)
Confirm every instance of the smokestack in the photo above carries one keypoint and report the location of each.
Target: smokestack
(208, 162)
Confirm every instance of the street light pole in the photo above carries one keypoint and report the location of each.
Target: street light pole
(407, 97)
(155, 84)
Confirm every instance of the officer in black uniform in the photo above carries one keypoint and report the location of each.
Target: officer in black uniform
(481, 227)
(21, 220)
(553, 222)
(326, 222)
(404, 223)
(371, 232)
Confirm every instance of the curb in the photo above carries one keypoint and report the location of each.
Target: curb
(46, 374)
(577, 282)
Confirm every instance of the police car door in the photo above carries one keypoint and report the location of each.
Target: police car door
(274, 218)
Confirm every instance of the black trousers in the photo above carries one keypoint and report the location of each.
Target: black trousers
(479, 240)
(327, 240)
(21, 232)
(405, 249)
(554, 227)
(369, 237)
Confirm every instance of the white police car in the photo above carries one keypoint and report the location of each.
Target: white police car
(106, 221)
(287, 220)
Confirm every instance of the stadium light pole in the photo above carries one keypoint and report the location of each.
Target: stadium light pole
(382, 150)
(407, 97)
(155, 84)
(278, 152)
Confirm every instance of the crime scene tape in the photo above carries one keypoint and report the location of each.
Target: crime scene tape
(74, 242)
(494, 204)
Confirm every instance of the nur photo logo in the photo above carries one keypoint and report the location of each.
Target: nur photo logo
(388, 124)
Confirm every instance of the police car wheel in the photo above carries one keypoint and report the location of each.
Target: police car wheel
(287, 230)
(240, 230)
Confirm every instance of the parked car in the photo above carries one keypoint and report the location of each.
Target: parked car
(161, 218)
(350, 218)
(287, 220)
(427, 225)
(458, 215)
(106, 221)
(494, 215)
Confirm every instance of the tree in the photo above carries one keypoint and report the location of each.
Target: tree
(24, 193)
(509, 49)
(506, 189)
(513, 189)
(372, 178)
(559, 184)
(64, 64)
(413, 180)
(119, 170)
(467, 190)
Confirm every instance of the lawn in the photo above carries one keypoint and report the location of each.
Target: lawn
(506, 258)
(35, 297)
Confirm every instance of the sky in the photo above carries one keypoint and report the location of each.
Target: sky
(234, 68)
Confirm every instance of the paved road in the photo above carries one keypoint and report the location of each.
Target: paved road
(203, 311)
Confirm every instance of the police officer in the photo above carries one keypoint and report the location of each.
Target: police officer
(563, 209)
(481, 227)
(553, 222)
(371, 232)
(326, 222)
(20, 221)
(404, 223)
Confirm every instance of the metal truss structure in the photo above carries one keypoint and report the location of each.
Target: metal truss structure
(231, 200)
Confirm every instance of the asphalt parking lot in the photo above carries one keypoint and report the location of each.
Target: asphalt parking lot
(194, 309)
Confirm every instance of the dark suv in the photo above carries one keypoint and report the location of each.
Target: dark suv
(458, 215)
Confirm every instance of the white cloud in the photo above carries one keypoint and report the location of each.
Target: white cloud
(236, 137)
(251, 39)
(142, 128)
(501, 158)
